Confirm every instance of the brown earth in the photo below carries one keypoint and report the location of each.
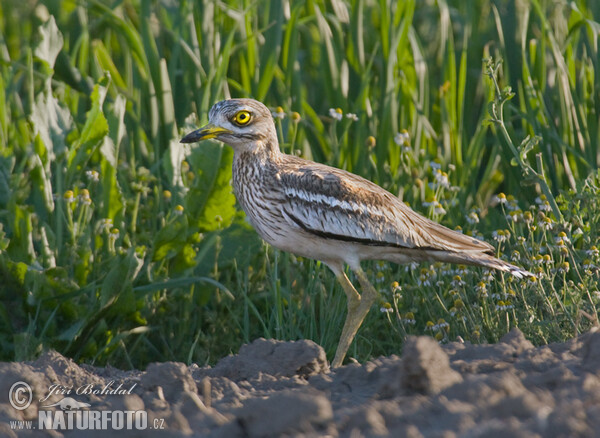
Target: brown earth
(274, 388)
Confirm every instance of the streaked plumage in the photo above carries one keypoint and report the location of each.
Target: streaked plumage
(329, 214)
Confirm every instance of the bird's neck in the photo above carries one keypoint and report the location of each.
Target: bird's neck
(261, 152)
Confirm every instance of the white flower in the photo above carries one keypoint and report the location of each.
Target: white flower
(545, 206)
(500, 198)
(402, 138)
(386, 308)
(92, 175)
(501, 235)
(336, 113)
(278, 113)
(438, 209)
(562, 238)
(441, 178)
(352, 117)
(106, 224)
(472, 217)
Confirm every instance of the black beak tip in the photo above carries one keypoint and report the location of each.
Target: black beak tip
(190, 138)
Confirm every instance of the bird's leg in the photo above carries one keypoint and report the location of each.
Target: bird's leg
(350, 327)
(358, 307)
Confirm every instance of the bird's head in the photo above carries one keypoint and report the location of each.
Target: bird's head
(244, 124)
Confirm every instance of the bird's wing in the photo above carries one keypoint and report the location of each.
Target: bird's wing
(336, 204)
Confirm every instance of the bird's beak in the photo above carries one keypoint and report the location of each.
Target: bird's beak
(208, 131)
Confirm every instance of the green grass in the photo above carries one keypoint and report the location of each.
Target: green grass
(119, 245)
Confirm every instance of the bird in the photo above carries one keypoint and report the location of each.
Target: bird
(329, 214)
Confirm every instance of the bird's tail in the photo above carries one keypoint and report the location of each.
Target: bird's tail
(482, 259)
(460, 258)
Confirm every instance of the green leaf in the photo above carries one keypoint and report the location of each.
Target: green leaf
(92, 134)
(51, 122)
(170, 239)
(210, 202)
(42, 186)
(123, 271)
(51, 42)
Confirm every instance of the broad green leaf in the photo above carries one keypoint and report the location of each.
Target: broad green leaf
(170, 239)
(122, 272)
(52, 122)
(210, 202)
(51, 42)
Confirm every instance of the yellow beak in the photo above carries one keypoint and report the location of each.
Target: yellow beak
(205, 133)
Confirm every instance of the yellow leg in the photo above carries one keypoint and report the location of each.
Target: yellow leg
(358, 307)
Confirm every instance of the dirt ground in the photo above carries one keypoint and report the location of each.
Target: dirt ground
(274, 388)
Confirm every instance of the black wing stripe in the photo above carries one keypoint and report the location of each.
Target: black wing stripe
(343, 238)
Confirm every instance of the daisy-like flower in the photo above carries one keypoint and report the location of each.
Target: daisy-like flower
(512, 203)
(69, 197)
(562, 238)
(106, 224)
(504, 306)
(409, 318)
(546, 223)
(430, 201)
(488, 276)
(545, 206)
(500, 198)
(592, 252)
(179, 209)
(441, 324)
(396, 288)
(84, 197)
(457, 281)
(462, 270)
(386, 308)
(501, 235)
(352, 117)
(515, 215)
(438, 209)
(92, 175)
(441, 178)
(515, 256)
(411, 266)
(587, 264)
(481, 289)
(472, 217)
(402, 138)
(336, 113)
(278, 113)
(564, 267)
(114, 233)
(527, 217)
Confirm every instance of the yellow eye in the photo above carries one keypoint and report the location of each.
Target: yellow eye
(242, 117)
